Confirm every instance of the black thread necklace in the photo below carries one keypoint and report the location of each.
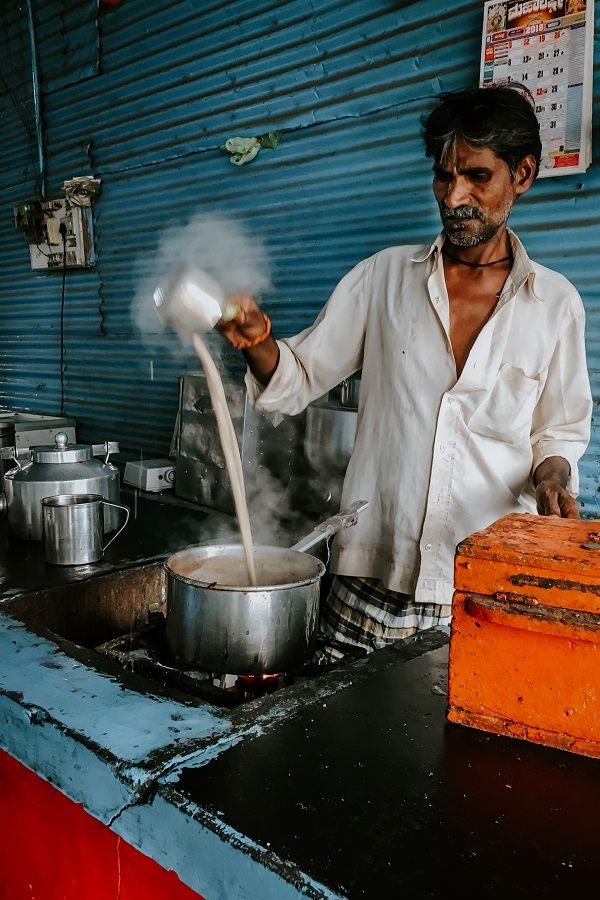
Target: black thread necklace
(474, 265)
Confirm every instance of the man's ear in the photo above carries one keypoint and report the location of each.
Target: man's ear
(525, 174)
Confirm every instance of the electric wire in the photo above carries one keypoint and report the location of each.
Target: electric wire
(63, 231)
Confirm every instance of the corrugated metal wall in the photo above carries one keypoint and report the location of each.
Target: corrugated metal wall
(143, 96)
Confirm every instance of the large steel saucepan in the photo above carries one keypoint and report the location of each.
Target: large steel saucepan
(216, 622)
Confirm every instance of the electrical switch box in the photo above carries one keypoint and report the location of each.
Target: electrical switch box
(52, 227)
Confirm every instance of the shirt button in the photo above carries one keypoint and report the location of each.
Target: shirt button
(428, 546)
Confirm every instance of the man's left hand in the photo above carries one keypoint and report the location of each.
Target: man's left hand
(554, 500)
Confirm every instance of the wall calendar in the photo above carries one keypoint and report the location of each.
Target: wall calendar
(546, 45)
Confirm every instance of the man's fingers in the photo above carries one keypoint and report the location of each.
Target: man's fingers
(548, 505)
(249, 321)
(245, 304)
(568, 506)
(554, 506)
(556, 501)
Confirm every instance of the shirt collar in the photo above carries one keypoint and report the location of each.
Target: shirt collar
(522, 272)
(426, 252)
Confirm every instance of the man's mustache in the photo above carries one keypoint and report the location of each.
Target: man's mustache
(460, 213)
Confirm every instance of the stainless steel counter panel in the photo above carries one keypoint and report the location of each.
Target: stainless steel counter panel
(307, 454)
(200, 472)
(33, 428)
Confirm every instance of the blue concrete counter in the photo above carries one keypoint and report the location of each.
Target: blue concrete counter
(110, 740)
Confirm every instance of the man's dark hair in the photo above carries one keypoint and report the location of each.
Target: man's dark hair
(500, 118)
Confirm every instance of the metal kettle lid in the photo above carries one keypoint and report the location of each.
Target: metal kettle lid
(61, 452)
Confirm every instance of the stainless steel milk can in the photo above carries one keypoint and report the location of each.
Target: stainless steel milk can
(60, 469)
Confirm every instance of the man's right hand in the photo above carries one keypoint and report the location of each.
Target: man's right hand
(248, 325)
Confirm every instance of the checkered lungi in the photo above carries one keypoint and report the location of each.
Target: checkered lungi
(361, 613)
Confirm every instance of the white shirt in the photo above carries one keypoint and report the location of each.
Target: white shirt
(439, 458)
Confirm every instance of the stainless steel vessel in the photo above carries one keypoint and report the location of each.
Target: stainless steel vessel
(7, 434)
(7, 440)
(329, 438)
(244, 630)
(73, 528)
(217, 622)
(350, 392)
(60, 469)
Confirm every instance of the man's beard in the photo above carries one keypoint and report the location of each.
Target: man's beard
(480, 229)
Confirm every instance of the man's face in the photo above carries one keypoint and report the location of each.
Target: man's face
(475, 192)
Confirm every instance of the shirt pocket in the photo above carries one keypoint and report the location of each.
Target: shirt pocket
(506, 412)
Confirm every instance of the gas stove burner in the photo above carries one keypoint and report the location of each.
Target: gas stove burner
(257, 680)
(145, 651)
(257, 685)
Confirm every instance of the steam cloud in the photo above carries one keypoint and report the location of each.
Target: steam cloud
(220, 246)
(237, 260)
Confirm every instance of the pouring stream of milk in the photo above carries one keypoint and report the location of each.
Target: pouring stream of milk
(231, 451)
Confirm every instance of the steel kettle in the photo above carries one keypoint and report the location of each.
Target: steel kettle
(60, 469)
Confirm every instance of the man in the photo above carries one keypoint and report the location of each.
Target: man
(475, 399)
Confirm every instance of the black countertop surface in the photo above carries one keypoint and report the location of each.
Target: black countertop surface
(373, 794)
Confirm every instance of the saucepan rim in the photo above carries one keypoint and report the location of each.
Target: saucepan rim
(245, 588)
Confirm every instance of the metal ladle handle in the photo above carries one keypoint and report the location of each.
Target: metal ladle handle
(117, 506)
(344, 519)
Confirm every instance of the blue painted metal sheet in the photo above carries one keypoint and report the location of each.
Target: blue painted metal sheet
(346, 83)
(68, 41)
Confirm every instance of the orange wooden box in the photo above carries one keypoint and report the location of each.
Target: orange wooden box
(525, 644)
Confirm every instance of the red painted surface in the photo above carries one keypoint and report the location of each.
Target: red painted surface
(52, 849)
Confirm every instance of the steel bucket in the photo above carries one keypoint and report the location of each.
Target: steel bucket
(217, 623)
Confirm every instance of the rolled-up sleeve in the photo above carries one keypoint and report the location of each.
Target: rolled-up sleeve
(562, 417)
(314, 361)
